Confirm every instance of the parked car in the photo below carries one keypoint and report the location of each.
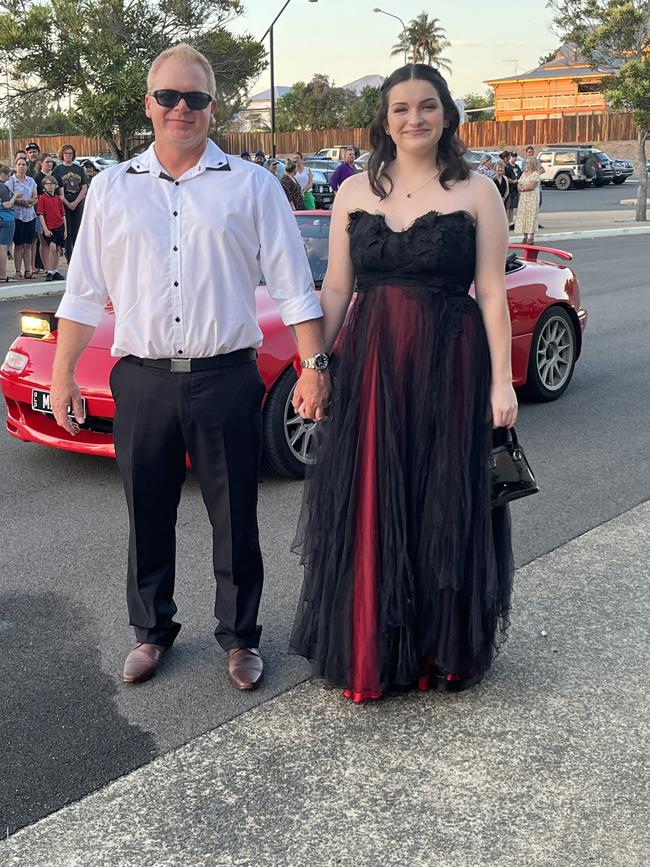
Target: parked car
(567, 166)
(548, 321)
(322, 163)
(474, 157)
(337, 152)
(362, 162)
(623, 169)
(323, 193)
(100, 163)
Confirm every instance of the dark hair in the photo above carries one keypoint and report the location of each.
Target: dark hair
(299, 154)
(453, 166)
(504, 155)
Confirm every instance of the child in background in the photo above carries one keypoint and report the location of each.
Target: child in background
(51, 214)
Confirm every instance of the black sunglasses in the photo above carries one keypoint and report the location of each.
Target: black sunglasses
(195, 100)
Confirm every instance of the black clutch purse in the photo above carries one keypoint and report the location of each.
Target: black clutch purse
(511, 476)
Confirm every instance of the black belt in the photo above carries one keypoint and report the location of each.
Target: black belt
(192, 365)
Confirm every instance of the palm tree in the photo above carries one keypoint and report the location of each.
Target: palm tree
(425, 40)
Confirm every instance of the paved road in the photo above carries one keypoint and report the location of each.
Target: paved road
(68, 726)
(606, 198)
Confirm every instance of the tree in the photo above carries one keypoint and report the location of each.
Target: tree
(474, 101)
(100, 52)
(36, 114)
(363, 108)
(616, 33)
(316, 105)
(425, 40)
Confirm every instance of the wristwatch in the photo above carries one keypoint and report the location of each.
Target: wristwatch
(319, 362)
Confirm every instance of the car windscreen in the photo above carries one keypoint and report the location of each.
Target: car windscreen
(315, 236)
(602, 156)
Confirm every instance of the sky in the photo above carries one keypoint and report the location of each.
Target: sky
(345, 40)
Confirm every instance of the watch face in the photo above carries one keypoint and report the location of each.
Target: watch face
(321, 361)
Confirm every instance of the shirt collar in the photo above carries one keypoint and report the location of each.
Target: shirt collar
(212, 159)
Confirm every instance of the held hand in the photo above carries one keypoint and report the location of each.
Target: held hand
(64, 394)
(311, 396)
(504, 405)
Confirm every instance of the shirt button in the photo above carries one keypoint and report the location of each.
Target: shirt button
(175, 213)
(178, 319)
(175, 249)
(176, 182)
(180, 351)
(175, 282)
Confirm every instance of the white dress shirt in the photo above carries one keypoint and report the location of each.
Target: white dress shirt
(180, 259)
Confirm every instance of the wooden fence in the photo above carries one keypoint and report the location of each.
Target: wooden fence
(488, 134)
(485, 134)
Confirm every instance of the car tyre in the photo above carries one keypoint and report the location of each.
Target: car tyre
(288, 445)
(553, 354)
(619, 180)
(563, 181)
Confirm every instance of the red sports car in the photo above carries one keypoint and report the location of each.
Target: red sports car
(547, 325)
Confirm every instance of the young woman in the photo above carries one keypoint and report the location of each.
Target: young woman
(501, 182)
(291, 186)
(407, 568)
(74, 184)
(528, 208)
(7, 220)
(25, 215)
(305, 178)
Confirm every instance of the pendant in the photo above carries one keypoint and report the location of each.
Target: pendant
(408, 195)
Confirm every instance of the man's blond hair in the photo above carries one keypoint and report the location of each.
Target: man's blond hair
(186, 54)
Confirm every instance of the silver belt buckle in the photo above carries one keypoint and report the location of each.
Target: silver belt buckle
(181, 365)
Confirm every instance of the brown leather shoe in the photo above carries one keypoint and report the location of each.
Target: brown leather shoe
(142, 663)
(245, 667)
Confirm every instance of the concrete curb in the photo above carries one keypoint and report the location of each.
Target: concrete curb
(28, 290)
(587, 234)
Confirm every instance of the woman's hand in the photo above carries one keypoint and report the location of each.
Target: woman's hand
(504, 405)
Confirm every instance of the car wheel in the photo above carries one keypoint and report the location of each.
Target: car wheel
(288, 439)
(552, 355)
(563, 181)
(619, 180)
(599, 183)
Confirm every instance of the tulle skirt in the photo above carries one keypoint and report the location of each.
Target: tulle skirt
(408, 570)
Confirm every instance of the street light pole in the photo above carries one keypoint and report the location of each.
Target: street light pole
(390, 15)
(269, 33)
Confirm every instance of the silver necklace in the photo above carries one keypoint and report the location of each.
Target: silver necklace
(417, 189)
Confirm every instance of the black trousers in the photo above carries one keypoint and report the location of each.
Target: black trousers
(215, 416)
(72, 223)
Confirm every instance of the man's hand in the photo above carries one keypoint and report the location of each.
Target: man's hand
(311, 396)
(65, 393)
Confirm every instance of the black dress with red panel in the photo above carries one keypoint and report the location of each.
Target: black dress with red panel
(408, 570)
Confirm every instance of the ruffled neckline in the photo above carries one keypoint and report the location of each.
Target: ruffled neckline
(359, 212)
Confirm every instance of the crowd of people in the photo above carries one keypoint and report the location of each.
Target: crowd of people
(520, 188)
(41, 200)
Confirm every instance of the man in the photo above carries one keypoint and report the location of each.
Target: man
(272, 166)
(176, 238)
(33, 159)
(245, 155)
(344, 171)
(90, 170)
(260, 158)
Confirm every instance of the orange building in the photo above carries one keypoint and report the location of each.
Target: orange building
(564, 85)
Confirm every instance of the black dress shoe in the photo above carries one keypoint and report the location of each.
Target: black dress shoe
(245, 667)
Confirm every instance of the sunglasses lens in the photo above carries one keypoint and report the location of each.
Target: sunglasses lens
(167, 98)
(195, 100)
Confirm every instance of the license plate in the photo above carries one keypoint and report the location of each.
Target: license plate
(41, 402)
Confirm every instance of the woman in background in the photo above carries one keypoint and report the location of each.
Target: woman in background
(528, 209)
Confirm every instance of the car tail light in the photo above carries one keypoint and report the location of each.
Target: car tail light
(36, 324)
(15, 361)
(598, 165)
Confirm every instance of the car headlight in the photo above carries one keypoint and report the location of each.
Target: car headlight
(15, 361)
(35, 324)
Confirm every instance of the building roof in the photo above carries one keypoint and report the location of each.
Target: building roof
(280, 91)
(567, 63)
(358, 84)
